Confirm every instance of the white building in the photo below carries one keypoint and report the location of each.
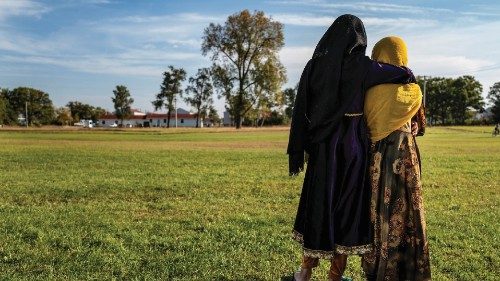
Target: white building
(155, 119)
(110, 120)
(184, 119)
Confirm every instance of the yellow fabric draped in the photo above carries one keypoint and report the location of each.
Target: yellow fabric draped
(389, 106)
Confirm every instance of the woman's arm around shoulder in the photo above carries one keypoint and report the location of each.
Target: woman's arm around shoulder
(383, 73)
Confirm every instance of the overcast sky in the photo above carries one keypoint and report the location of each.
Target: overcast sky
(81, 49)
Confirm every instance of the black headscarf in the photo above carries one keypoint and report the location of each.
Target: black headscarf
(328, 86)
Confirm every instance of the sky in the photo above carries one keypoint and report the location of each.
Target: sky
(81, 49)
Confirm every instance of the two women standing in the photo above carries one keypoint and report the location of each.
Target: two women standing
(333, 218)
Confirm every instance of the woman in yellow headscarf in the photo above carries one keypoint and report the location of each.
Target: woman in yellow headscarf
(397, 214)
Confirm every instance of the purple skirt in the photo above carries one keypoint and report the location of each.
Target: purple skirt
(333, 214)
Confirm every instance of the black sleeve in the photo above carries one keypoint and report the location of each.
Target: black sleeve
(298, 129)
(382, 73)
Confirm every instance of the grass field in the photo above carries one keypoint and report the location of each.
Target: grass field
(211, 205)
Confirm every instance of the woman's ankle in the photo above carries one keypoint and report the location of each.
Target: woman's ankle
(304, 274)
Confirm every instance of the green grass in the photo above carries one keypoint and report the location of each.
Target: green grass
(211, 205)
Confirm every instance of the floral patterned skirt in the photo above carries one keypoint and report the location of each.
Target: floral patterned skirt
(396, 212)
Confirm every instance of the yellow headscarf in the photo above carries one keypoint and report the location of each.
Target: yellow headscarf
(390, 106)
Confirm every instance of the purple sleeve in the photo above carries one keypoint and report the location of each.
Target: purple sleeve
(382, 73)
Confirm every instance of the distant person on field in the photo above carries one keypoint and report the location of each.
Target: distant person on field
(496, 131)
(397, 212)
(333, 214)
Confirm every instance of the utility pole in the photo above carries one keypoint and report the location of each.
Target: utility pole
(26, 116)
(425, 77)
(175, 105)
(425, 89)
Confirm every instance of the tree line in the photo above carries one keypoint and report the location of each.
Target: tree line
(455, 101)
(246, 71)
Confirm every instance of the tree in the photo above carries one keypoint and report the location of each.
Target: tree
(264, 108)
(466, 92)
(449, 100)
(63, 116)
(80, 110)
(97, 112)
(213, 115)
(170, 88)
(494, 97)
(122, 102)
(3, 107)
(40, 108)
(439, 99)
(201, 91)
(267, 92)
(84, 111)
(245, 56)
(277, 118)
